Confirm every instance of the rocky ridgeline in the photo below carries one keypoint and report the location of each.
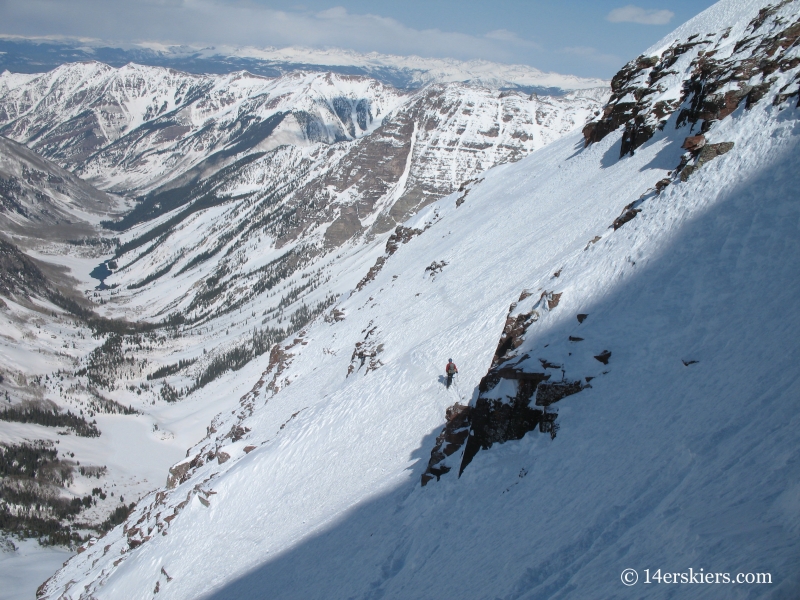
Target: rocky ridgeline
(718, 79)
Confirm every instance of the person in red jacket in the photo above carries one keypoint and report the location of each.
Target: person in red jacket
(451, 370)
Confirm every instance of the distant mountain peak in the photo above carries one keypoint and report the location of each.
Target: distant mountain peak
(22, 54)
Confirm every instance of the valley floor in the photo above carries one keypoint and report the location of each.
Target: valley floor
(24, 569)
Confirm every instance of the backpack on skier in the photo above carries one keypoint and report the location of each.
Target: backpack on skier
(450, 370)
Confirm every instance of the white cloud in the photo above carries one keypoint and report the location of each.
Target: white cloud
(642, 16)
(504, 35)
(246, 23)
(592, 54)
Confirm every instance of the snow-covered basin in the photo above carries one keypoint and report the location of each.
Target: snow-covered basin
(24, 569)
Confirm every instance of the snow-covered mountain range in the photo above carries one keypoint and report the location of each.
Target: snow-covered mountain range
(36, 55)
(244, 192)
(619, 297)
(279, 170)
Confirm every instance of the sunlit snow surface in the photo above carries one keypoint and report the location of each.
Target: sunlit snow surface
(657, 466)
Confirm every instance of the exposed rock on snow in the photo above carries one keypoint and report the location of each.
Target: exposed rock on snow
(401, 235)
(714, 79)
(449, 441)
(704, 154)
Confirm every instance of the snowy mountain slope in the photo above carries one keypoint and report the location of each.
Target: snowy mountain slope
(36, 193)
(682, 453)
(36, 55)
(296, 198)
(241, 246)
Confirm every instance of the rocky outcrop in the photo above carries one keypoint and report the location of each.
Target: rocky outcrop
(402, 235)
(448, 442)
(365, 353)
(513, 398)
(714, 89)
(704, 153)
(509, 418)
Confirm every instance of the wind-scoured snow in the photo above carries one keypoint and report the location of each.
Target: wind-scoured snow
(682, 454)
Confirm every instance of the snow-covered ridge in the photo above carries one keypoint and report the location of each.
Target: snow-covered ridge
(420, 70)
(717, 70)
(401, 71)
(683, 449)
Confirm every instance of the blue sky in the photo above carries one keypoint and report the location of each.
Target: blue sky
(587, 38)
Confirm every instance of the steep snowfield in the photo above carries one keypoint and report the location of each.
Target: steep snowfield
(682, 454)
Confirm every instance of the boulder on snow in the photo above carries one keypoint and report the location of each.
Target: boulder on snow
(694, 143)
(628, 214)
(603, 357)
(177, 473)
(709, 152)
